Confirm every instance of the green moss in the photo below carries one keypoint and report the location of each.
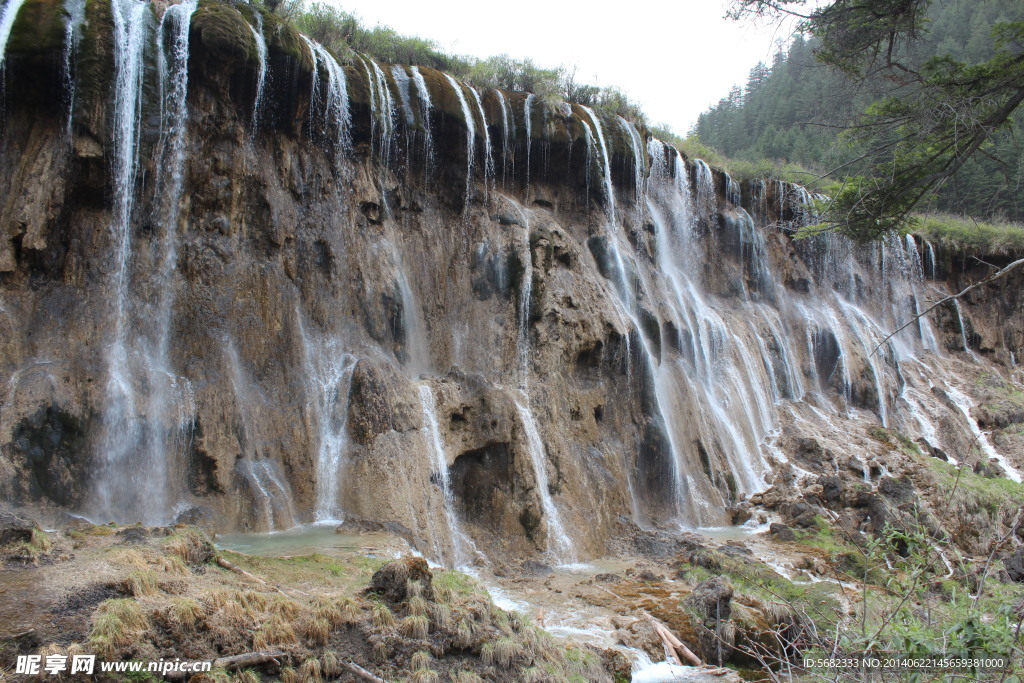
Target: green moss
(282, 38)
(225, 33)
(896, 439)
(39, 27)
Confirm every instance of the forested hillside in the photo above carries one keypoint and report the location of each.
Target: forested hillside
(799, 110)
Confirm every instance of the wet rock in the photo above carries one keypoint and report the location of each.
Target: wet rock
(133, 535)
(197, 515)
(831, 489)
(738, 515)
(781, 532)
(607, 578)
(897, 490)
(1014, 565)
(617, 664)
(14, 528)
(711, 599)
(534, 568)
(391, 580)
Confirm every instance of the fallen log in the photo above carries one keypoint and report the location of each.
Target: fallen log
(234, 662)
(248, 659)
(237, 569)
(361, 673)
(673, 644)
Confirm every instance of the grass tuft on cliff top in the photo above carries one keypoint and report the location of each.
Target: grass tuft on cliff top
(960, 233)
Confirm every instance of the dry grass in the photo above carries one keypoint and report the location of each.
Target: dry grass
(420, 660)
(116, 624)
(415, 627)
(285, 608)
(186, 613)
(417, 606)
(289, 675)
(140, 583)
(425, 676)
(382, 616)
(487, 656)
(311, 671)
(316, 631)
(191, 545)
(413, 589)
(350, 610)
(331, 667)
(247, 676)
(276, 631)
(466, 677)
(506, 651)
(440, 616)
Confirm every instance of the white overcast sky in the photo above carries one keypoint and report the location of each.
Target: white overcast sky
(674, 57)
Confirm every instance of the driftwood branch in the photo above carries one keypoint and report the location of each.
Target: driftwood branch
(235, 662)
(238, 570)
(248, 659)
(991, 278)
(673, 645)
(360, 673)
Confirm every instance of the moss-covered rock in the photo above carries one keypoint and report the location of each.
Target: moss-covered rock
(283, 39)
(39, 27)
(225, 33)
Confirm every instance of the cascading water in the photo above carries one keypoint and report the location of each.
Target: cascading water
(488, 156)
(506, 136)
(72, 34)
(964, 404)
(126, 487)
(261, 74)
(467, 118)
(423, 94)
(435, 446)
(329, 370)
(333, 107)
(528, 127)
(560, 546)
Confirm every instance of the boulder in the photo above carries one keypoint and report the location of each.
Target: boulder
(391, 580)
(1014, 565)
(781, 532)
(14, 528)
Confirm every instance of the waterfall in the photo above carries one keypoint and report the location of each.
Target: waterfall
(467, 118)
(76, 15)
(506, 130)
(329, 371)
(425, 107)
(273, 496)
(382, 124)
(528, 125)
(126, 487)
(435, 446)
(636, 146)
(560, 546)
(333, 109)
(261, 75)
(7, 17)
(963, 328)
(405, 96)
(964, 404)
(488, 157)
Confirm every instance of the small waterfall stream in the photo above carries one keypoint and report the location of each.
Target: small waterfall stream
(261, 74)
(467, 118)
(435, 445)
(72, 35)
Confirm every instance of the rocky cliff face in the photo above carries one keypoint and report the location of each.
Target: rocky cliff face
(243, 282)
